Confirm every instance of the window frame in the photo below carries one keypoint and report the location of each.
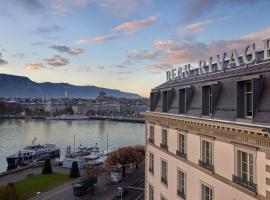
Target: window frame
(249, 152)
(152, 134)
(149, 188)
(162, 138)
(184, 135)
(203, 184)
(178, 181)
(246, 93)
(212, 150)
(151, 162)
(166, 171)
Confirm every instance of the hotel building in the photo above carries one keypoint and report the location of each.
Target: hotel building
(208, 135)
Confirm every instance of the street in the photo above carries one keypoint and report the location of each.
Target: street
(103, 190)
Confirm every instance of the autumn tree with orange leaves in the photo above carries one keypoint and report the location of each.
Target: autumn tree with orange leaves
(125, 156)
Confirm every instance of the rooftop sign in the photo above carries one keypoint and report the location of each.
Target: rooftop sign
(248, 57)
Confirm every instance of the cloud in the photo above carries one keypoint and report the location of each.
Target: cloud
(81, 69)
(49, 32)
(35, 66)
(136, 25)
(66, 49)
(120, 66)
(192, 51)
(100, 66)
(38, 43)
(56, 61)
(128, 27)
(142, 54)
(194, 9)
(18, 55)
(2, 61)
(122, 7)
(31, 5)
(200, 26)
(97, 39)
(63, 6)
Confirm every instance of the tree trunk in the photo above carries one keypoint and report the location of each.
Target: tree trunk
(124, 171)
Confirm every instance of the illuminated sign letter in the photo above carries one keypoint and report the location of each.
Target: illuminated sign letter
(187, 70)
(202, 64)
(233, 59)
(266, 48)
(169, 76)
(173, 74)
(253, 54)
(220, 64)
(210, 68)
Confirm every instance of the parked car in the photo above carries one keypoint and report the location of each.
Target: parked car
(121, 192)
(83, 187)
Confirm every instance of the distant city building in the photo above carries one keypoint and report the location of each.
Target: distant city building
(208, 135)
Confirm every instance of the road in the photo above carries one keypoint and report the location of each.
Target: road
(103, 190)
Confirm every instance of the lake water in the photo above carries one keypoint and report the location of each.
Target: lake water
(16, 134)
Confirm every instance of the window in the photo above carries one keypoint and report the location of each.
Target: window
(164, 172)
(165, 102)
(181, 151)
(248, 99)
(152, 136)
(164, 139)
(206, 155)
(151, 192)
(207, 192)
(182, 101)
(207, 100)
(245, 170)
(181, 184)
(151, 163)
(245, 97)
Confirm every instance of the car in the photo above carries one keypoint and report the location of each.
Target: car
(121, 192)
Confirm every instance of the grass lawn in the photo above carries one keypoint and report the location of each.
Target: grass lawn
(28, 187)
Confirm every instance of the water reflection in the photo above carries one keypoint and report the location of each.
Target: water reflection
(15, 134)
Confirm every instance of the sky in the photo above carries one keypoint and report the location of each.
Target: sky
(122, 44)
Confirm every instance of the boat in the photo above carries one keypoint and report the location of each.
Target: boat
(33, 154)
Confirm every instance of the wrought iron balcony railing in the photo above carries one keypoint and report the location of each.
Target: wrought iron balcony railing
(206, 165)
(181, 194)
(164, 180)
(164, 146)
(246, 184)
(151, 140)
(181, 154)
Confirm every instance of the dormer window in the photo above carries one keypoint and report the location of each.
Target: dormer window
(248, 99)
(210, 94)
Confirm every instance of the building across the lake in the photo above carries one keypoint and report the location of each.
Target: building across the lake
(208, 134)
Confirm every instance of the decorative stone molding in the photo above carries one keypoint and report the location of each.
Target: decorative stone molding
(241, 133)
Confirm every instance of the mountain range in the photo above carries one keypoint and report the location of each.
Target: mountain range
(20, 86)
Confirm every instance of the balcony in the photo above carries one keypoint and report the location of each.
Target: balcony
(181, 194)
(246, 184)
(164, 180)
(164, 146)
(151, 140)
(181, 154)
(206, 165)
(151, 170)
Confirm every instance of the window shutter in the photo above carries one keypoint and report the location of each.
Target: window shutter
(205, 106)
(171, 94)
(256, 90)
(154, 98)
(165, 101)
(240, 99)
(189, 92)
(216, 88)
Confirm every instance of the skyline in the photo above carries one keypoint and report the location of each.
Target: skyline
(115, 43)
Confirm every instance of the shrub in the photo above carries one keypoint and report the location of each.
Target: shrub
(10, 193)
(74, 171)
(47, 169)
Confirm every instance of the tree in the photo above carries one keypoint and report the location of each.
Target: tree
(74, 171)
(10, 192)
(125, 156)
(47, 168)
